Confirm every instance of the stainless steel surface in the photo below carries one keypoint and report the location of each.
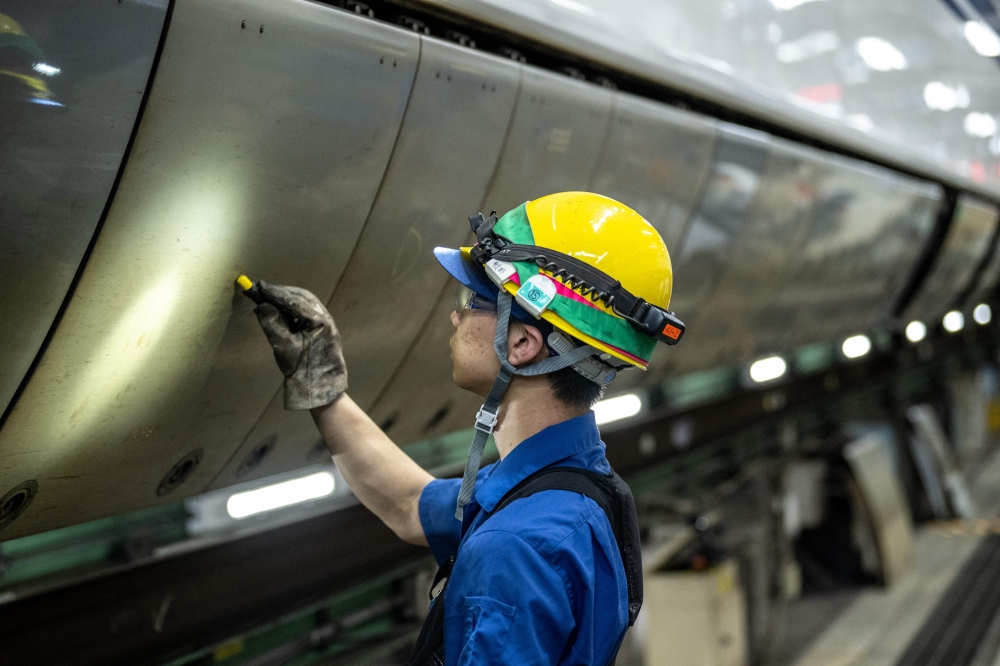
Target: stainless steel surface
(656, 160)
(736, 323)
(554, 141)
(259, 151)
(971, 230)
(311, 152)
(422, 401)
(839, 71)
(986, 284)
(724, 209)
(866, 228)
(553, 144)
(72, 76)
(445, 156)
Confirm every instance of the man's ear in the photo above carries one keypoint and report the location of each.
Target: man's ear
(525, 344)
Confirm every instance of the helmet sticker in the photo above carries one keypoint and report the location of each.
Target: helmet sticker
(536, 294)
(500, 271)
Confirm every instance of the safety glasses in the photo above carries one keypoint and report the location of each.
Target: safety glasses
(465, 298)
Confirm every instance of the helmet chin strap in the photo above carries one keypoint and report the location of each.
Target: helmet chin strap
(486, 418)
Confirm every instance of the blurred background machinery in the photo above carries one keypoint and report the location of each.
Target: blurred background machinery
(825, 174)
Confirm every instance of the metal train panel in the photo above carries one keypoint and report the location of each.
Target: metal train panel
(266, 135)
(554, 141)
(656, 160)
(820, 71)
(444, 158)
(553, 144)
(422, 401)
(726, 205)
(303, 145)
(866, 228)
(72, 77)
(736, 324)
(969, 235)
(987, 282)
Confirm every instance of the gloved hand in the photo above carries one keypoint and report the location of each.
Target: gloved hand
(306, 345)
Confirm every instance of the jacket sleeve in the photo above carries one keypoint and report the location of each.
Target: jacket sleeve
(522, 611)
(437, 514)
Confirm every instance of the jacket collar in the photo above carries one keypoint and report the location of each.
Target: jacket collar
(555, 443)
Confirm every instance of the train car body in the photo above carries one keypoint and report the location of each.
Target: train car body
(304, 144)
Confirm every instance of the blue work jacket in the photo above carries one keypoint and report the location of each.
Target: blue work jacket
(542, 582)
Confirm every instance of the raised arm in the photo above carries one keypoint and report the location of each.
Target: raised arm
(307, 348)
(385, 479)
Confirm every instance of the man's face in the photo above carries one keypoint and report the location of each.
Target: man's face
(475, 364)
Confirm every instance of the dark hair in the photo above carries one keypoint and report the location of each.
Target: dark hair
(569, 386)
(573, 389)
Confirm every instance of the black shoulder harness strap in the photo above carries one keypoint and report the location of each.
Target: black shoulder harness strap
(613, 495)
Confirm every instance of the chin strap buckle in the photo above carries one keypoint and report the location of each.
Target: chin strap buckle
(485, 420)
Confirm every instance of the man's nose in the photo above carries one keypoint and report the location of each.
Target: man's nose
(455, 318)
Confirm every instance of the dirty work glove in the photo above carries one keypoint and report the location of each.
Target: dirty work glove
(306, 345)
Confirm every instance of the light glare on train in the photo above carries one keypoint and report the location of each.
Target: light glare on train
(942, 97)
(45, 68)
(916, 331)
(614, 409)
(980, 125)
(785, 5)
(983, 39)
(280, 495)
(880, 55)
(123, 354)
(983, 314)
(768, 369)
(953, 322)
(856, 346)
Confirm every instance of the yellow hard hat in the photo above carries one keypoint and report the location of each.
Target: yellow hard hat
(592, 268)
(608, 268)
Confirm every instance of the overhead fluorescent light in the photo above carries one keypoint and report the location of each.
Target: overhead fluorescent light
(856, 346)
(880, 55)
(619, 407)
(983, 39)
(768, 369)
(916, 331)
(278, 495)
(982, 314)
(953, 322)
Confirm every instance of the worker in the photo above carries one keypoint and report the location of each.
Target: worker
(539, 552)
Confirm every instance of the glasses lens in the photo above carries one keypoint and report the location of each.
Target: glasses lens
(466, 298)
(462, 297)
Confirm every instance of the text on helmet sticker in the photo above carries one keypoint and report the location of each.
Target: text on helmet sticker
(500, 271)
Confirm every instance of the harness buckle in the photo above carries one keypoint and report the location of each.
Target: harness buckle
(485, 421)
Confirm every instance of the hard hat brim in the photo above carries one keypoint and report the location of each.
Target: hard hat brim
(464, 269)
